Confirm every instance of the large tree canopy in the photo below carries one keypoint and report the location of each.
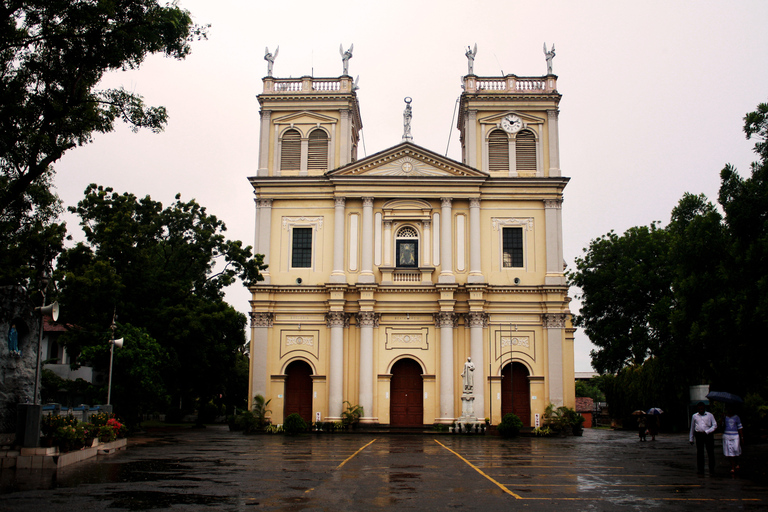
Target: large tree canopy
(693, 294)
(161, 269)
(53, 53)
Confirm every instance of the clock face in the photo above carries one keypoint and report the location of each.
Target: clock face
(511, 123)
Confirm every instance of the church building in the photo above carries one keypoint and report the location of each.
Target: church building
(386, 273)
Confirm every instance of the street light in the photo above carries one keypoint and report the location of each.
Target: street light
(112, 343)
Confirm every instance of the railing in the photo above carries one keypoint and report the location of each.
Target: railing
(406, 276)
(510, 84)
(306, 84)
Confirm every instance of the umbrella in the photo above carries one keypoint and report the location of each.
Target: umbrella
(638, 413)
(727, 398)
(655, 410)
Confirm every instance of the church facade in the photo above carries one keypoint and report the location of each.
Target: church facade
(386, 273)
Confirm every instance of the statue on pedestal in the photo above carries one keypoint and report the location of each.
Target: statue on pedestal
(550, 55)
(407, 116)
(270, 59)
(469, 376)
(345, 56)
(471, 59)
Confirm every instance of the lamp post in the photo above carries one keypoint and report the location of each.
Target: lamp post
(112, 343)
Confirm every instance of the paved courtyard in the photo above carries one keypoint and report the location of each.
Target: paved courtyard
(213, 469)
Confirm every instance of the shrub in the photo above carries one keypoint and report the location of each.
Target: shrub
(352, 415)
(260, 412)
(510, 425)
(563, 420)
(294, 424)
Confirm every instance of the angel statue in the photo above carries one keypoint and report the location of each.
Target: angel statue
(270, 59)
(471, 59)
(550, 55)
(345, 56)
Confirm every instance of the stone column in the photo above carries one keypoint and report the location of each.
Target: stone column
(263, 170)
(555, 325)
(446, 242)
(471, 142)
(265, 233)
(553, 209)
(366, 320)
(339, 217)
(427, 244)
(475, 263)
(345, 150)
(554, 143)
(304, 157)
(336, 322)
(260, 324)
(445, 321)
(387, 243)
(366, 272)
(477, 322)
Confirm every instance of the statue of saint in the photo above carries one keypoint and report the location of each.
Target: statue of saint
(345, 56)
(270, 59)
(471, 59)
(469, 376)
(407, 116)
(550, 55)
(13, 341)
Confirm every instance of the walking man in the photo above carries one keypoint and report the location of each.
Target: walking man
(703, 427)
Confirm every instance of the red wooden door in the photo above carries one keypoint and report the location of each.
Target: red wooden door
(406, 405)
(520, 403)
(298, 390)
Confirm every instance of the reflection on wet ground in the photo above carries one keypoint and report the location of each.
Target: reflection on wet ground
(214, 469)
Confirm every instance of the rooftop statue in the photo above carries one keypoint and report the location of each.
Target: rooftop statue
(270, 59)
(550, 55)
(471, 59)
(345, 56)
(407, 116)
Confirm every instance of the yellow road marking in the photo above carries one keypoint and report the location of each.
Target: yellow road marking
(503, 488)
(358, 451)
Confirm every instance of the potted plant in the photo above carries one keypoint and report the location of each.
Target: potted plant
(351, 417)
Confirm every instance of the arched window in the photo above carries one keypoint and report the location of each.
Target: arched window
(525, 151)
(407, 247)
(498, 151)
(318, 150)
(290, 151)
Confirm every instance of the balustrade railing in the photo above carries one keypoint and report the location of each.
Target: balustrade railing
(306, 84)
(510, 84)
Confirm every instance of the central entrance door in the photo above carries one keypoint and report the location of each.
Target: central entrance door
(516, 398)
(406, 406)
(298, 390)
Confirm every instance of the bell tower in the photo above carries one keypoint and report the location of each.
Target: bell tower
(308, 125)
(509, 126)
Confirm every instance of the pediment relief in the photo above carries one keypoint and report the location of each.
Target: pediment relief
(304, 117)
(407, 161)
(528, 119)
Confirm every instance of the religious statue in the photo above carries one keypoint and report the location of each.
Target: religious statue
(13, 341)
(469, 376)
(471, 59)
(550, 55)
(407, 116)
(270, 59)
(345, 56)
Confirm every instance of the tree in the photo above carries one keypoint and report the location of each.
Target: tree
(162, 269)
(53, 53)
(625, 288)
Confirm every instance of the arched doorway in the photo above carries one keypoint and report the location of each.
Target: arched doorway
(406, 405)
(298, 390)
(520, 403)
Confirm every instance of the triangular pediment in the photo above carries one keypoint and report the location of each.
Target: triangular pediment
(304, 117)
(407, 160)
(527, 118)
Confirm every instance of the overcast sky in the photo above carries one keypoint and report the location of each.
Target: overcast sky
(654, 95)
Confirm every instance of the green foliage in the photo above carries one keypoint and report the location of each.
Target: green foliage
(352, 415)
(164, 269)
(542, 432)
(53, 56)
(593, 388)
(261, 411)
(294, 424)
(510, 425)
(563, 420)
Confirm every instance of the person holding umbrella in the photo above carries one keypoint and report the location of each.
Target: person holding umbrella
(732, 437)
(703, 427)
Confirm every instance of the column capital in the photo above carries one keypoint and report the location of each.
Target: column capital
(337, 319)
(368, 319)
(446, 202)
(553, 203)
(367, 202)
(264, 203)
(477, 319)
(474, 202)
(554, 320)
(445, 319)
(261, 319)
(339, 201)
(553, 113)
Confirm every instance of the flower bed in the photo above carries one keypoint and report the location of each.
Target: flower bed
(68, 434)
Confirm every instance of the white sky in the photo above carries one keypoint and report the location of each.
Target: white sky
(654, 93)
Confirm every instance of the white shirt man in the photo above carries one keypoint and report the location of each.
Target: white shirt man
(703, 427)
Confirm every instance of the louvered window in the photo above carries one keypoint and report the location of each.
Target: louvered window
(290, 151)
(318, 150)
(525, 151)
(498, 151)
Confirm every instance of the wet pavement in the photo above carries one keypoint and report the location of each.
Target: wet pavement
(214, 469)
